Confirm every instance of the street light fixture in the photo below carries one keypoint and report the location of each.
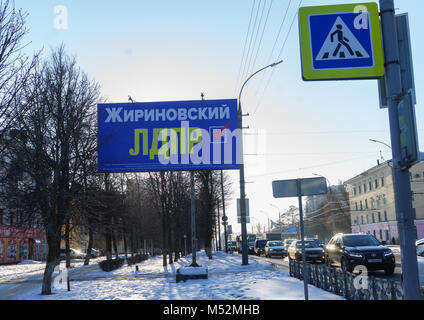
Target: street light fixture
(245, 258)
(377, 141)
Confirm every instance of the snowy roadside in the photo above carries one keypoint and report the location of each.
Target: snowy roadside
(228, 280)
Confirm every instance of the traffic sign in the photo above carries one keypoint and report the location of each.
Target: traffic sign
(341, 42)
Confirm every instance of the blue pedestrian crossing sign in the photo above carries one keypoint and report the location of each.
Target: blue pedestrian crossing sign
(341, 42)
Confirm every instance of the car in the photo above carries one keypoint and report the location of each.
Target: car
(420, 260)
(74, 254)
(231, 245)
(353, 249)
(313, 252)
(260, 246)
(274, 248)
(94, 253)
(317, 240)
(287, 243)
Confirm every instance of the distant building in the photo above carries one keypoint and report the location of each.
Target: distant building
(372, 202)
(320, 211)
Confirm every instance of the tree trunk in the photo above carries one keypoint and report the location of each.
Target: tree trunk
(67, 246)
(89, 247)
(115, 246)
(53, 257)
(108, 239)
(125, 245)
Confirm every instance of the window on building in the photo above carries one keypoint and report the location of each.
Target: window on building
(386, 233)
(360, 205)
(362, 219)
(373, 218)
(359, 190)
(366, 203)
(385, 215)
(374, 233)
(379, 216)
(384, 199)
(356, 206)
(365, 187)
(369, 186)
(381, 234)
(382, 181)
(372, 203)
(376, 183)
(354, 191)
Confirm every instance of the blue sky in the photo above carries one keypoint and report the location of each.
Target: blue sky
(173, 50)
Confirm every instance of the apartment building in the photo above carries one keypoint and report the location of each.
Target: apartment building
(372, 202)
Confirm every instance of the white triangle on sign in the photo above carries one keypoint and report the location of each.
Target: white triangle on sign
(341, 44)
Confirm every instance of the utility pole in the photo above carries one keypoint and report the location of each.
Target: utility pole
(224, 217)
(401, 183)
(245, 258)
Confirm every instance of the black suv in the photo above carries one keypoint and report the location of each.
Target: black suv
(350, 250)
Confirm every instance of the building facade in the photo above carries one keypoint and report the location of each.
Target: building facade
(372, 201)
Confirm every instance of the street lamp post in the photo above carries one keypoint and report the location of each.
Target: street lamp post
(266, 213)
(245, 259)
(279, 214)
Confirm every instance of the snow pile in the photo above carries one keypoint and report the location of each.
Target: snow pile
(192, 270)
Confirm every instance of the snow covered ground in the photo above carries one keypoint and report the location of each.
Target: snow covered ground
(227, 280)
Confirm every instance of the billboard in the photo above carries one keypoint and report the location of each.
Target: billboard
(175, 135)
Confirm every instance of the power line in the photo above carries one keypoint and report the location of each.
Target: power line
(244, 47)
(250, 41)
(275, 43)
(263, 32)
(311, 167)
(279, 57)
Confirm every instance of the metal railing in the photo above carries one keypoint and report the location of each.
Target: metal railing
(343, 283)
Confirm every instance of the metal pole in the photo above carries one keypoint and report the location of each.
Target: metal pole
(245, 258)
(302, 238)
(223, 212)
(193, 221)
(219, 231)
(401, 182)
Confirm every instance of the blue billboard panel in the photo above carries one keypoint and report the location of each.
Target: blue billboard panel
(176, 135)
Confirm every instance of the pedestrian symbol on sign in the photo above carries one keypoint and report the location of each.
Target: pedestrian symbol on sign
(341, 44)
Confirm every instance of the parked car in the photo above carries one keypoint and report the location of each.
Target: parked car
(350, 250)
(94, 253)
(287, 243)
(231, 245)
(260, 246)
(420, 259)
(274, 248)
(74, 254)
(313, 252)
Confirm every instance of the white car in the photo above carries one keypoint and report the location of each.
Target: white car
(420, 259)
(274, 249)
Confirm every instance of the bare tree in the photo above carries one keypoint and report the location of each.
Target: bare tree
(15, 67)
(60, 101)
